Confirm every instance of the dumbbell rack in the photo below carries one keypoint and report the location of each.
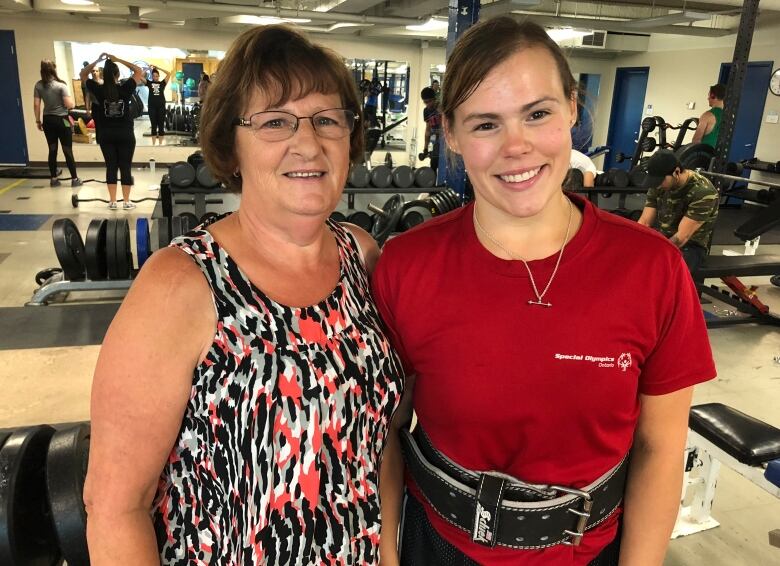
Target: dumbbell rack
(198, 196)
(57, 284)
(352, 191)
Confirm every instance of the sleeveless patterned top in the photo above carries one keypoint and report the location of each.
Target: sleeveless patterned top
(277, 460)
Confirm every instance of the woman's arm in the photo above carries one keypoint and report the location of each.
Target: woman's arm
(391, 478)
(140, 391)
(654, 478)
(85, 72)
(37, 110)
(138, 72)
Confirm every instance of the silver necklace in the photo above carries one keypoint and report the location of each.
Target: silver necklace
(539, 296)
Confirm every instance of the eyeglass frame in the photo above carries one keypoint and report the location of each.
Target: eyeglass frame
(247, 122)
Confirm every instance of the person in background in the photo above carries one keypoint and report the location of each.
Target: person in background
(433, 132)
(585, 164)
(117, 138)
(54, 123)
(203, 87)
(709, 121)
(157, 104)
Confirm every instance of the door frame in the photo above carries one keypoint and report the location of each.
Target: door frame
(609, 159)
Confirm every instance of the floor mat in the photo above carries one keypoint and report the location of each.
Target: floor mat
(55, 326)
(729, 219)
(15, 222)
(26, 172)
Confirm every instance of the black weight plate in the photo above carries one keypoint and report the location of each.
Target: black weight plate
(176, 227)
(4, 435)
(337, 216)
(208, 217)
(205, 178)
(195, 159)
(637, 176)
(386, 224)
(424, 177)
(143, 243)
(181, 174)
(454, 198)
(95, 250)
(66, 469)
(124, 250)
(439, 204)
(69, 248)
(74, 200)
(775, 280)
(381, 177)
(414, 215)
(111, 259)
(403, 177)
(27, 535)
(695, 155)
(163, 232)
(648, 124)
(362, 219)
(188, 221)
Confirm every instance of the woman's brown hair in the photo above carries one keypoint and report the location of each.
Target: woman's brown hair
(49, 72)
(284, 65)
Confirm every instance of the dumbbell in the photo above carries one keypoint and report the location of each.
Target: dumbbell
(337, 216)
(415, 212)
(386, 218)
(424, 177)
(403, 177)
(381, 177)
(648, 144)
(648, 124)
(362, 219)
(613, 178)
(359, 176)
(735, 169)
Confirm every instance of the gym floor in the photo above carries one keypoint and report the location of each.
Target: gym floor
(46, 361)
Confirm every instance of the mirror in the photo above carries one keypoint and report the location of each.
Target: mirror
(180, 91)
(587, 100)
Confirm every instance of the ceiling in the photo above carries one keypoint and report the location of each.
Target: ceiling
(390, 18)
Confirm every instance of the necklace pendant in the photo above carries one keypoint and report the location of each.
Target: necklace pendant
(540, 303)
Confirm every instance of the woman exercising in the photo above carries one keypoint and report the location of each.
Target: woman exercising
(557, 339)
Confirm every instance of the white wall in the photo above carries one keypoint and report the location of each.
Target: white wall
(35, 36)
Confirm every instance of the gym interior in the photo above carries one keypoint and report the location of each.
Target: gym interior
(644, 68)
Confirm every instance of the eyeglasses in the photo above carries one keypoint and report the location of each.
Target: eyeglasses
(275, 125)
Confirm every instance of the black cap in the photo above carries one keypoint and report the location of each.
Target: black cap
(662, 163)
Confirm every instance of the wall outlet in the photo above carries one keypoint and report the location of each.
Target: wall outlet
(690, 105)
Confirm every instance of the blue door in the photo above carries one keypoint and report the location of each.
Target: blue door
(625, 119)
(751, 108)
(13, 140)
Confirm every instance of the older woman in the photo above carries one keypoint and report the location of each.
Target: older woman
(564, 337)
(244, 389)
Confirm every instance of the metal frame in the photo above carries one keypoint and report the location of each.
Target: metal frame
(56, 285)
(752, 314)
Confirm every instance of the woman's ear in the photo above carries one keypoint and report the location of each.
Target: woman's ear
(573, 108)
(449, 136)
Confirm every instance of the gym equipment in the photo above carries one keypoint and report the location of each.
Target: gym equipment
(362, 219)
(613, 178)
(648, 144)
(95, 250)
(648, 124)
(415, 212)
(45, 274)
(721, 435)
(26, 531)
(75, 200)
(69, 248)
(118, 251)
(181, 174)
(163, 232)
(337, 216)
(359, 176)
(695, 155)
(66, 469)
(386, 218)
(424, 177)
(637, 176)
(574, 180)
(381, 176)
(204, 176)
(728, 177)
(143, 243)
(403, 177)
(188, 221)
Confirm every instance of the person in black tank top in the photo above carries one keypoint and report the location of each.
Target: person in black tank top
(157, 104)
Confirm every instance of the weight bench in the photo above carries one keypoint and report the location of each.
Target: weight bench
(720, 435)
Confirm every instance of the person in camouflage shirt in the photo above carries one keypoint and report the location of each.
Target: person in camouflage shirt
(682, 203)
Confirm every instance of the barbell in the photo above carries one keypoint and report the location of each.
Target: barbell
(738, 179)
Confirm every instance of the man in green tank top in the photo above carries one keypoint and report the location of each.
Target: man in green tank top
(709, 122)
(682, 204)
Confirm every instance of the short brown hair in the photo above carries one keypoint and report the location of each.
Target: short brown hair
(718, 91)
(486, 45)
(284, 65)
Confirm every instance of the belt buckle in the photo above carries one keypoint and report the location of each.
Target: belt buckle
(582, 514)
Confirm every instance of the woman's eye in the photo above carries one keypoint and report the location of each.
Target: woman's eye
(539, 114)
(484, 127)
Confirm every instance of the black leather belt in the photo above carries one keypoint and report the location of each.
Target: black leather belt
(497, 509)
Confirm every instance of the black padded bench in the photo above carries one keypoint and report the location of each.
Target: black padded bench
(738, 266)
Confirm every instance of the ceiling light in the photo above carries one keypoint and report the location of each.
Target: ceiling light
(78, 2)
(683, 17)
(265, 20)
(564, 34)
(432, 24)
(338, 25)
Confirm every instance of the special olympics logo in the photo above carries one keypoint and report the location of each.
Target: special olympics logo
(624, 361)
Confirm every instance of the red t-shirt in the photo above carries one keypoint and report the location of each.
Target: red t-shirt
(536, 392)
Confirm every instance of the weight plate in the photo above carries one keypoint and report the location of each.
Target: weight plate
(176, 227)
(124, 252)
(195, 159)
(181, 174)
(439, 204)
(69, 248)
(45, 274)
(111, 258)
(695, 155)
(414, 215)
(74, 200)
(424, 177)
(381, 177)
(95, 250)
(359, 176)
(66, 469)
(337, 216)
(26, 531)
(637, 176)
(648, 124)
(362, 219)
(143, 243)
(384, 225)
(188, 222)
(455, 198)
(205, 178)
(4, 435)
(403, 177)
(163, 232)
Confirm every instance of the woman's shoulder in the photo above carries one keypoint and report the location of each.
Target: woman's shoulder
(172, 269)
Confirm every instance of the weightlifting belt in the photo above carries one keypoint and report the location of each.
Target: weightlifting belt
(497, 509)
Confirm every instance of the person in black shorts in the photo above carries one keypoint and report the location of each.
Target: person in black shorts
(117, 139)
(157, 104)
(432, 126)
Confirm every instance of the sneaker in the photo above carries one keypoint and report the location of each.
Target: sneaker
(54, 183)
(112, 205)
(76, 182)
(128, 205)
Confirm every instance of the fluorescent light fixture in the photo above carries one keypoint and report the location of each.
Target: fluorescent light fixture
(441, 68)
(564, 34)
(78, 2)
(433, 24)
(328, 6)
(339, 25)
(265, 20)
(684, 17)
